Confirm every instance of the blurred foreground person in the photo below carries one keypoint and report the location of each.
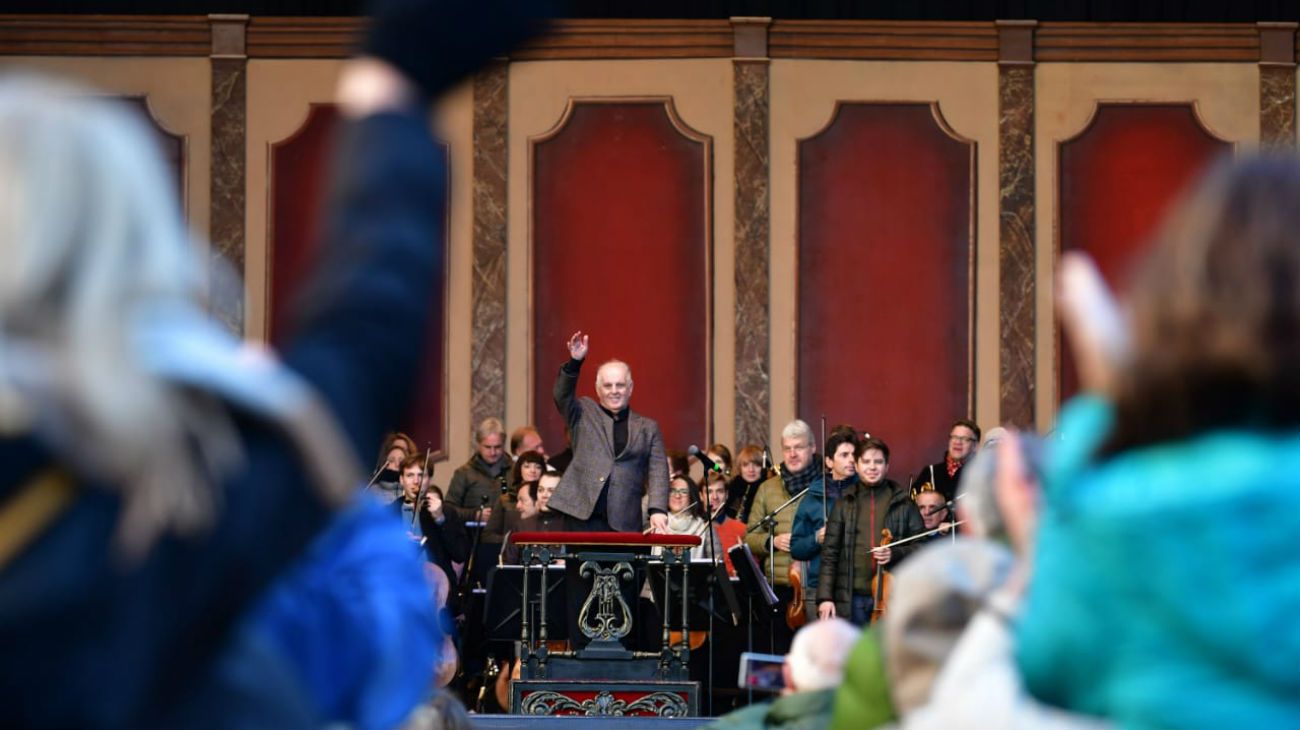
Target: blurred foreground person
(1166, 574)
(157, 476)
(813, 669)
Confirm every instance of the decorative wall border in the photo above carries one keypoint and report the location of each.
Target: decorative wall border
(105, 35)
(629, 38)
(884, 40)
(1181, 42)
(576, 39)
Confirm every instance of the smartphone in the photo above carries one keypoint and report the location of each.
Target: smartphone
(762, 672)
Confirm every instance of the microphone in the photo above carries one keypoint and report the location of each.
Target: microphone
(709, 464)
(767, 458)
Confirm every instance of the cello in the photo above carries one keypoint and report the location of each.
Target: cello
(881, 583)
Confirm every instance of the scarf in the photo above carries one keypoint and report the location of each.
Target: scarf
(796, 483)
(952, 464)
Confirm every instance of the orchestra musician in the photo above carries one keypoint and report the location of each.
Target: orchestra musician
(477, 483)
(849, 554)
(963, 437)
(799, 472)
(809, 529)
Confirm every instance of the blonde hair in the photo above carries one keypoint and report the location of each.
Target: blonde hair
(95, 252)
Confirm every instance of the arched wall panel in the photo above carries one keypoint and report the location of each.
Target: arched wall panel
(620, 239)
(298, 179)
(885, 289)
(1118, 179)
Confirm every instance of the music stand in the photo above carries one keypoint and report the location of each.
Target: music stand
(505, 590)
(726, 607)
(752, 580)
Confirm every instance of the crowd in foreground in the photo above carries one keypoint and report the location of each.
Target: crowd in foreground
(183, 545)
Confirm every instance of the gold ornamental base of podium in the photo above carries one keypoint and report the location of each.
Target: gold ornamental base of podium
(603, 698)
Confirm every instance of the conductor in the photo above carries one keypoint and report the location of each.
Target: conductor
(618, 455)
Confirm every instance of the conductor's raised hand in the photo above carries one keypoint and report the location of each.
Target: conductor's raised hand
(578, 346)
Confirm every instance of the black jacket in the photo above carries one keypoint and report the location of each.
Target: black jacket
(850, 532)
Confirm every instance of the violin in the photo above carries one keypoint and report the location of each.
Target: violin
(795, 614)
(697, 639)
(882, 582)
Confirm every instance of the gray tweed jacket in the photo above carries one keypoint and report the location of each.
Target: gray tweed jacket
(640, 468)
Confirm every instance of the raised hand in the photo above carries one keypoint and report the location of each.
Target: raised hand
(1092, 321)
(578, 346)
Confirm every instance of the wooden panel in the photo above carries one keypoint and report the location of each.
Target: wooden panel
(299, 175)
(1146, 42)
(1117, 180)
(627, 38)
(884, 40)
(885, 288)
(304, 37)
(621, 249)
(105, 35)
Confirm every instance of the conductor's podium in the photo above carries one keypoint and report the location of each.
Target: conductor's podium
(602, 672)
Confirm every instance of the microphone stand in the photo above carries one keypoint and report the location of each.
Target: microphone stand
(712, 584)
(769, 523)
(473, 550)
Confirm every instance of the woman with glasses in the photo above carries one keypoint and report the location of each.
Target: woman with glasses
(687, 515)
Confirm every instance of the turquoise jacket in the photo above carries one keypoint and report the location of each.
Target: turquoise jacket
(1167, 579)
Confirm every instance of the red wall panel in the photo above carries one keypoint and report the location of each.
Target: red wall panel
(1117, 180)
(886, 247)
(298, 183)
(621, 250)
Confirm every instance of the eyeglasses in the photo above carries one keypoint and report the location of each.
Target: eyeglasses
(679, 491)
(966, 439)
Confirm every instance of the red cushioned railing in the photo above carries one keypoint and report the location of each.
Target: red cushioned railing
(628, 539)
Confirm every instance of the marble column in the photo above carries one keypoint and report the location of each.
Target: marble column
(1277, 85)
(229, 123)
(752, 230)
(488, 345)
(1016, 249)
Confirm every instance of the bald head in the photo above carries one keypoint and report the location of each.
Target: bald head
(818, 654)
(614, 384)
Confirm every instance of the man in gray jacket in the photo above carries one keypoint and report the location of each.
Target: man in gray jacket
(618, 455)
